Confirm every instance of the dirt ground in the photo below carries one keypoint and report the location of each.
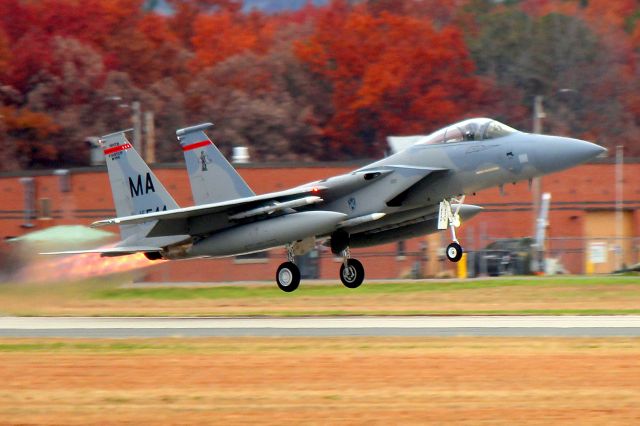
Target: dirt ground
(321, 381)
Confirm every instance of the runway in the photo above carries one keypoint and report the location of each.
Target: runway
(433, 326)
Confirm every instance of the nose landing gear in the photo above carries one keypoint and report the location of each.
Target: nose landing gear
(454, 252)
(448, 219)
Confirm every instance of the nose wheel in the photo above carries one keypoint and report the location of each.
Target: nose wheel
(454, 252)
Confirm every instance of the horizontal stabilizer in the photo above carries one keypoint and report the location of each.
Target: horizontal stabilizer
(109, 251)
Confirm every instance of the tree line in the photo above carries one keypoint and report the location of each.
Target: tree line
(326, 82)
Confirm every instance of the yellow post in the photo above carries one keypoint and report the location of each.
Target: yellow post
(589, 268)
(462, 267)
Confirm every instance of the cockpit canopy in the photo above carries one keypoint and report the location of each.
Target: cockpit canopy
(474, 129)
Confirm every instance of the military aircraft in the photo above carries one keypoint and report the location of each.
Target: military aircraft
(414, 192)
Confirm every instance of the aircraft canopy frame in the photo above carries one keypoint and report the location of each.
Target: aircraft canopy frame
(474, 129)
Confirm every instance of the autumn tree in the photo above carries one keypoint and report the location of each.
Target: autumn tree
(186, 12)
(221, 35)
(26, 137)
(322, 82)
(581, 77)
(387, 74)
(264, 102)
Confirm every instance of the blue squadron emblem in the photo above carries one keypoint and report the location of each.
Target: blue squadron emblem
(352, 203)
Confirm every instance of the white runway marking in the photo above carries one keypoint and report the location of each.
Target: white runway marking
(58, 323)
(312, 326)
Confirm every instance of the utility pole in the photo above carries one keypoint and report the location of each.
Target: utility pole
(542, 221)
(136, 120)
(536, 183)
(619, 207)
(150, 138)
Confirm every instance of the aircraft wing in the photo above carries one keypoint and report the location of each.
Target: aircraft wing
(200, 219)
(234, 208)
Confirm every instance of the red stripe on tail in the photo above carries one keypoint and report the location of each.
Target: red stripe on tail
(118, 148)
(195, 145)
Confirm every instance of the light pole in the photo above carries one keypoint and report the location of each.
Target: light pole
(536, 183)
(150, 138)
(136, 120)
(619, 205)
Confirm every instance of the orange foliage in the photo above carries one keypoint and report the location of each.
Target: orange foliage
(635, 37)
(361, 70)
(38, 124)
(438, 11)
(31, 54)
(389, 74)
(156, 30)
(5, 54)
(28, 132)
(221, 35)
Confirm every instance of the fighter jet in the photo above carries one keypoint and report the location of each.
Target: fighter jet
(417, 191)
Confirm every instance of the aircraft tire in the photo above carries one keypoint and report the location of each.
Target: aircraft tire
(454, 252)
(288, 277)
(353, 275)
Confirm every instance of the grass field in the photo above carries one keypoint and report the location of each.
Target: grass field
(354, 380)
(526, 295)
(320, 381)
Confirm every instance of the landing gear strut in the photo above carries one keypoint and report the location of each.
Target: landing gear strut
(351, 270)
(448, 219)
(288, 274)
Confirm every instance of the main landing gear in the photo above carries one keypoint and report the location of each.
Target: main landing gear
(448, 219)
(288, 274)
(351, 270)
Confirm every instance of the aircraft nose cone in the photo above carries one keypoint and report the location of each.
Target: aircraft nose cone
(557, 153)
(582, 151)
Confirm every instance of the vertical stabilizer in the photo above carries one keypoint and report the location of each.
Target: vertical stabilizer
(135, 188)
(211, 176)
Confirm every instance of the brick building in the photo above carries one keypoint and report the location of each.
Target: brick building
(581, 229)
